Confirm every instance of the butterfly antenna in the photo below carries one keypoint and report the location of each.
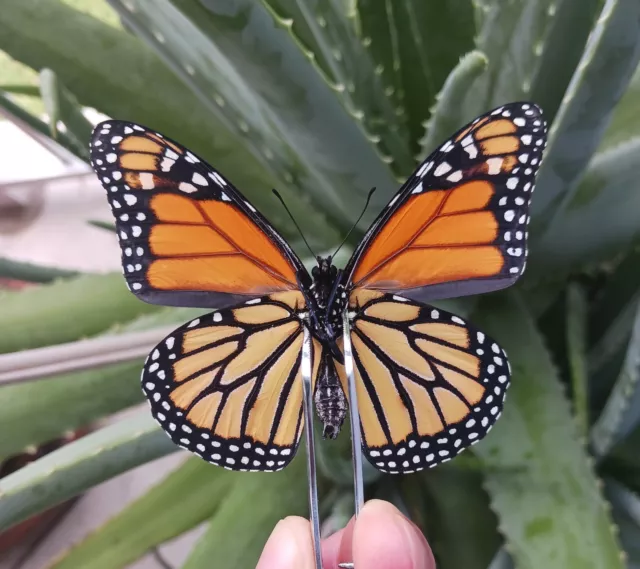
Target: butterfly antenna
(294, 221)
(355, 224)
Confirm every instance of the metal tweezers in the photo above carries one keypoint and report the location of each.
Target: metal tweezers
(358, 488)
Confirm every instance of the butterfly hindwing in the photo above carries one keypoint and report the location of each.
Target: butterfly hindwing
(458, 226)
(227, 386)
(188, 237)
(429, 384)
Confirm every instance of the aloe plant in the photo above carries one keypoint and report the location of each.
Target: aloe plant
(324, 99)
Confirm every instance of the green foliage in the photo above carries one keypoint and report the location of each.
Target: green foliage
(324, 99)
(415, 45)
(63, 110)
(31, 273)
(76, 467)
(236, 533)
(187, 497)
(540, 480)
(65, 310)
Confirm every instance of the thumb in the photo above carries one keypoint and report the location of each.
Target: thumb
(289, 546)
(384, 539)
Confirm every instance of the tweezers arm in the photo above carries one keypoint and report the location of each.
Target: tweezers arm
(307, 388)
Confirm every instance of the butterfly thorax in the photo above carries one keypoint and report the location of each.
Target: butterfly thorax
(327, 302)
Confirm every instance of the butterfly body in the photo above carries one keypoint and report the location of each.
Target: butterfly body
(324, 297)
(228, 386)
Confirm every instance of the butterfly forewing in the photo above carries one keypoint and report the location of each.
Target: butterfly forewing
(429, 384)
(459, 224)
(188, 237)
(227, 385)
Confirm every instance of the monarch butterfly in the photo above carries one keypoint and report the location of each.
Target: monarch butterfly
(227, 386)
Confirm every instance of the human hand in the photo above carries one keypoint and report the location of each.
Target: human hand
(381, 538)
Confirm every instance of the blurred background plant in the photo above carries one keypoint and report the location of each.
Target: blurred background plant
(324, 99)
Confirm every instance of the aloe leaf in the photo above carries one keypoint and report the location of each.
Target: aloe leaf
(62, 107)
(15, 74)
(339, 510)
(623, 461)
(351, 73)
(621, 412)
(117, 74)
(237, 533)
(448, 491)
(512, 37)
(21, 116)
(577, 332)
(184, 499)
(65, 311)
(446, 117)
(376, 28)
(613, 314)
(625, 123)
(568, 30)
(13, 109)
(32, 273)
(601, 78)
(335, 462)
(416, 44)
(606, 198)
(78, 398)
(549, 506)
(626, 512)
(250, 91)
(106, 225)
(501, 560)
(30, 90)
(480, 10)
(80, 465)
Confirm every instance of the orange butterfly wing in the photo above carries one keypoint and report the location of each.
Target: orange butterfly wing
(428, 383)
(459, 224)
(188, 237)
(227, 386)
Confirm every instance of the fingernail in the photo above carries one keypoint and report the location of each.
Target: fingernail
(280, 550)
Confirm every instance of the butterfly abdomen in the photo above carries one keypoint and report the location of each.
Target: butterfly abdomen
(331, 403)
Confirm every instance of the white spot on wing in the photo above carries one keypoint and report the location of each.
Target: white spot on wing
(217, 178)
(442, 169)
(199, 179)
(424, 169)
(187, 187)
(166, 164)
(146, 181)
(494, 165)
(471, 150)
